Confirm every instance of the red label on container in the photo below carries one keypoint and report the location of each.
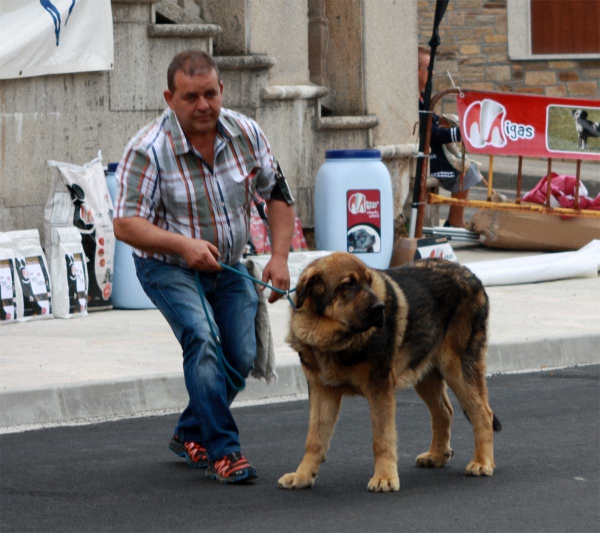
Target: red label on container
(363, 208)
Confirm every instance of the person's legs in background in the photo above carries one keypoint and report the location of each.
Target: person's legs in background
(456, 213)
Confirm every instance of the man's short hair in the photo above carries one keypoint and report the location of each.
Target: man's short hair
(190, 62)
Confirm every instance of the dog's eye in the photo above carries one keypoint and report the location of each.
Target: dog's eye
(348, 284)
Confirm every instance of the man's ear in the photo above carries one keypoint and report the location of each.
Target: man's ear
(168, 97)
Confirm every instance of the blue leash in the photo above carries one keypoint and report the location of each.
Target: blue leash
(248, 276)
(235, 380)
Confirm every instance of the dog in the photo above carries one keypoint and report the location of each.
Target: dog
(361, 241)
(368, 332)
(585, 128)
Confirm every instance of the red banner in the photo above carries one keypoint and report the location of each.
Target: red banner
(529, 125)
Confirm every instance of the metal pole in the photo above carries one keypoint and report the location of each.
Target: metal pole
(440, 9)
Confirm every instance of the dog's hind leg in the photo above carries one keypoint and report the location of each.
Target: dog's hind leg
(432, 390)
(382, 403)
(468, 383)
(325, 403)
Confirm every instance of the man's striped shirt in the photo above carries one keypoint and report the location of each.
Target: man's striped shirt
(165, 180)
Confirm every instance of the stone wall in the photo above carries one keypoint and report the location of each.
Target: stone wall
(474, 49)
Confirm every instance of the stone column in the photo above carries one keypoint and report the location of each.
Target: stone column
(318, 39)
(391, 84)
(233, 17)
(345, 72)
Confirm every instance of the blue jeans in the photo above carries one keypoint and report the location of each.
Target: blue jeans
(232, 304)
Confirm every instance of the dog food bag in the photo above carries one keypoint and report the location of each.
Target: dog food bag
(8, 294)
(79, 197)
(69, 273)
(32, 281)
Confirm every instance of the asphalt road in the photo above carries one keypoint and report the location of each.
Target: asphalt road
(120, 476)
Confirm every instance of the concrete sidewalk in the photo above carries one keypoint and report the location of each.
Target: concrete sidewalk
(128, 363)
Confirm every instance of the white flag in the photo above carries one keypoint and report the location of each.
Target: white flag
(41, 37)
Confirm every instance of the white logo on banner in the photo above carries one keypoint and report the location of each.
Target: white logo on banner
(485, 124)
(55, 37)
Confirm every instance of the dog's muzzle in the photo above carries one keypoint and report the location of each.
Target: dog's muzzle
(377, 314)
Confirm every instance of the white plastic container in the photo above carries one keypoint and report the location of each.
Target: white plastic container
(354, 206)
(127, 292)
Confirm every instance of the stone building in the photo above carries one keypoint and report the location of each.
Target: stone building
(525, 46)
(316, 74)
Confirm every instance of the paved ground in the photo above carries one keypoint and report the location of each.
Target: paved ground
(120, 476)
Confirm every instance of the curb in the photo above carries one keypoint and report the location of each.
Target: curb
(95, 402)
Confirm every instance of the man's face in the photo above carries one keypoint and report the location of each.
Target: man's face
(423, 66)
(196, 101)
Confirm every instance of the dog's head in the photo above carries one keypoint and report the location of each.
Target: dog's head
(362, 239)
(579, 113)
(339, 288)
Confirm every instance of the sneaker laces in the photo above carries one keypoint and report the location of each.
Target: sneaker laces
(232, 461)
(195, 451)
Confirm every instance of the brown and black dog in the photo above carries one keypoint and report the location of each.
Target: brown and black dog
(368, 332)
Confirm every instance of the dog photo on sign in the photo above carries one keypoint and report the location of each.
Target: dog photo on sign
(573, 129)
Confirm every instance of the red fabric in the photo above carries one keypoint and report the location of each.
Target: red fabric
(562, 189)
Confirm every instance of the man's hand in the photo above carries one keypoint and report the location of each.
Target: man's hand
(277, 272)
(201, 255)
(143, 235)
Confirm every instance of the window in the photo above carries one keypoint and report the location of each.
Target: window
(553, 29)
(565, 27)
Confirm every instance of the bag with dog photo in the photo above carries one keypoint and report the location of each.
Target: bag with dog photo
(8, 295)
(79, 197)
(32, 282)
(69, 273)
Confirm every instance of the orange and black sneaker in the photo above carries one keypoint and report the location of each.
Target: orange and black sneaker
(194, 453)
(233, 468)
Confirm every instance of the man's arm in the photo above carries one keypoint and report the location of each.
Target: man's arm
(281, 223)
(143, 235)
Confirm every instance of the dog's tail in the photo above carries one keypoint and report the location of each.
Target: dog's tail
(496, 424)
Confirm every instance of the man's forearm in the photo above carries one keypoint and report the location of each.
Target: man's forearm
(281, 223)
(143, 235)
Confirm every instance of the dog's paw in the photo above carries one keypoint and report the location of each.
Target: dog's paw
(296, 481)
(386, 483)
(479, 469)
(432, 460)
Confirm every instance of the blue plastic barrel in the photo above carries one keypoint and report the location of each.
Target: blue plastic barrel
(127, 292)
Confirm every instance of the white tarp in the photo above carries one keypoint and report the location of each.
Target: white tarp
(41, 37)
(583, 263)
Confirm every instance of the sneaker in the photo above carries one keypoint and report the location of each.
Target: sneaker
(194, 454)
(233, 468)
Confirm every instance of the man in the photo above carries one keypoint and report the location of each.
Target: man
(185, 185)
(439, 166)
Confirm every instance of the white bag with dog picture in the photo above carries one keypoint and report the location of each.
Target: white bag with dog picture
(32, 281)
(79, 197)
(8, 294)
(69, 273)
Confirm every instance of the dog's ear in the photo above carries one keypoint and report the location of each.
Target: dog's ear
(309, 285)
(584, 114)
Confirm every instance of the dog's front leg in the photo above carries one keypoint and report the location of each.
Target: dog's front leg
(325, 405)
(382, 402)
